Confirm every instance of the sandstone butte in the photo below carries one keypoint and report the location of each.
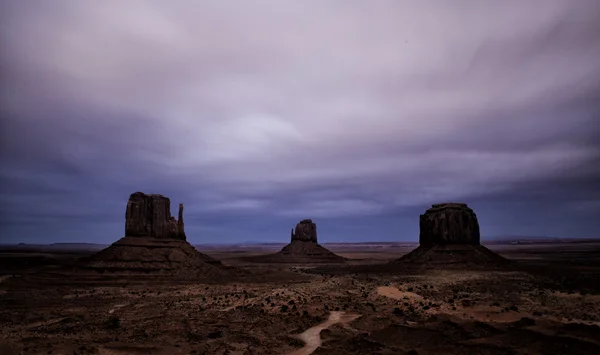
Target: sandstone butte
(154, 242)
(449, 234)
(302, 249)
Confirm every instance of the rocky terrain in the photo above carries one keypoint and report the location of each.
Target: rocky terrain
(531, 309)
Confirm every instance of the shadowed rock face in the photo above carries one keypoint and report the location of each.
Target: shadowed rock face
(450, 238)
(449, 223)
(150, 216)
(305, 231)
(303, 248)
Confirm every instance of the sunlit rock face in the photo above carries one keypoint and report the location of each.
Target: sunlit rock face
(449, 223)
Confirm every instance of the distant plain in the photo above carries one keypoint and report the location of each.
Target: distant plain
(546, 302)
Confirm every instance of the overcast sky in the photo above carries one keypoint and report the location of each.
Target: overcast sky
(257, 114)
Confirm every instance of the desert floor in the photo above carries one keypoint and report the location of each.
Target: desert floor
(546, 302)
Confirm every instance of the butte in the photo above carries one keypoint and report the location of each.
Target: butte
(449, 235)
(154, 243)
(302, 249)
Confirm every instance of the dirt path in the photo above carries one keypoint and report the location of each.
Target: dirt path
(312, 336)
(393, 292)
(117, 306)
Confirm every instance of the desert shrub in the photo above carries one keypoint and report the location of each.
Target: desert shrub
(284, 308)
(525, 322)
(297, 343)
(113, 322)
(214, 335)
(193, 337)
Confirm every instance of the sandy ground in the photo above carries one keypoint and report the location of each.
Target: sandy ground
(312, 336)
(547, 303)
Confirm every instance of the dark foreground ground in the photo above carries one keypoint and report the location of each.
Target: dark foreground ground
(548, 302)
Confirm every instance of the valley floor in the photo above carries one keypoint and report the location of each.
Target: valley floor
(548, 302)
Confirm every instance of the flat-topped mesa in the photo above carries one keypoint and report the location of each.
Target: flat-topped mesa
(150, 216)
(449, 223)
(305, 231)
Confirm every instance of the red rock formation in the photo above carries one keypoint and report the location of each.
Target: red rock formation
(449, 223)
(303, 248)
(154, 244)
(449, 235)
(150, 216)
(180, 230)
(305, 231)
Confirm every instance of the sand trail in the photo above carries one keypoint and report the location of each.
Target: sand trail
(117, 306)
(393, 292)
(312, 336)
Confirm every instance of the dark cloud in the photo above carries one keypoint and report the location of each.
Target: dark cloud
(257, 116)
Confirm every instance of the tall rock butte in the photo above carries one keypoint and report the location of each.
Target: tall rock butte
(449, 223)
(302, 249)
(449, 234)
(150, 216)
(155, 243)
(305, 231)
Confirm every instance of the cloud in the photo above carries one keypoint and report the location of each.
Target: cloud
(333, 109)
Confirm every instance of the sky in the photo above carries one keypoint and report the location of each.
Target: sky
(257, 114)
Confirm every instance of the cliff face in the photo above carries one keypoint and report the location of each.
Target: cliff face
(449, 223)
(150, 216)
(305, 231)
(450, 237)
